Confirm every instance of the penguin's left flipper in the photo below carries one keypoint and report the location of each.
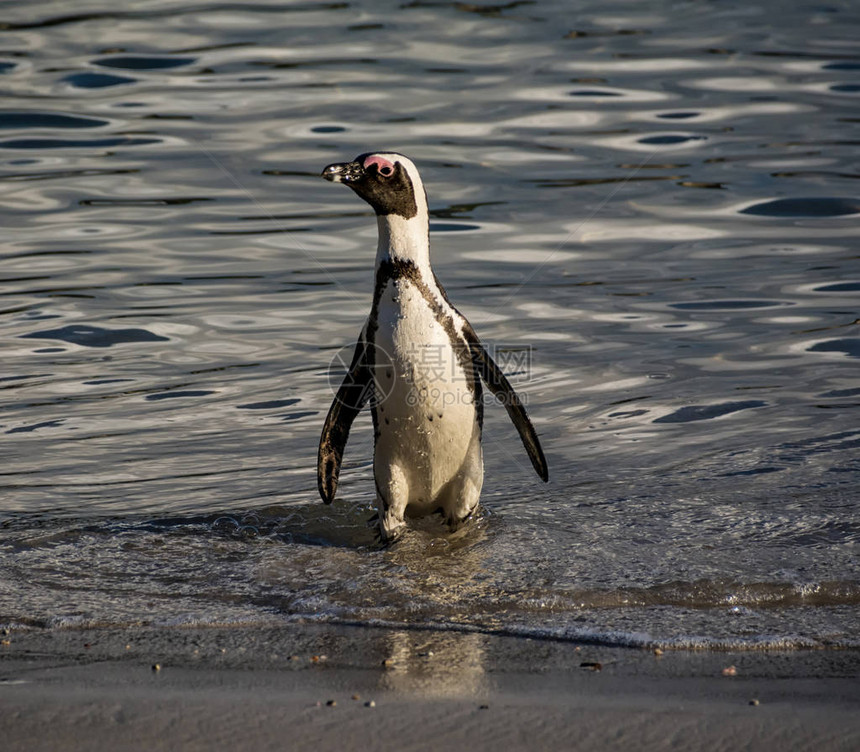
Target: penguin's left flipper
(501, 388)
(351, 397)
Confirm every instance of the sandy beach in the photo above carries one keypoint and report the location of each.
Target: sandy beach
(340, 687)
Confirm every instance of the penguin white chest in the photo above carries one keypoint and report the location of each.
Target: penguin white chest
(427, 423)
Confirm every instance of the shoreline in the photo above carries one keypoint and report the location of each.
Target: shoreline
(293, 686)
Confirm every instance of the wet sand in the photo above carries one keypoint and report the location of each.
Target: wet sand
(351, 688)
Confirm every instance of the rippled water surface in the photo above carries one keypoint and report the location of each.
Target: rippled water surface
(651, 208)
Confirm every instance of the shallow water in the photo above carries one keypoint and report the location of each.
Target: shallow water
(650, 213)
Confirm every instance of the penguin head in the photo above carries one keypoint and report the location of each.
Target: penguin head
(388, 181)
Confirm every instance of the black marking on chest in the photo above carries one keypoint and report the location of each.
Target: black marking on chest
(397, 270)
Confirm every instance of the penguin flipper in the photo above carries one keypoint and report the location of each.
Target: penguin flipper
(501, 388)
(351, 397)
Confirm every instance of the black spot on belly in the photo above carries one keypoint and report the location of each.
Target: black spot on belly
(388, 374)
(430, 418)
(386, 422)
(439, 415)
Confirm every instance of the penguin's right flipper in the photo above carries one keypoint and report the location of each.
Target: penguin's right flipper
(501, 388)
(354, 392)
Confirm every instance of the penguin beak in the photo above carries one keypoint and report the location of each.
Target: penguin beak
(344, 172)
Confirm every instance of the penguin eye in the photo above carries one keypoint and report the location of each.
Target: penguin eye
(384, 168)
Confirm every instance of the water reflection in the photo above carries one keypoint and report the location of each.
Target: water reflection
(436, 667)
(658, 204)
(94, 336)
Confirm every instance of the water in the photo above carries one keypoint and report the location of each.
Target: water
(651, 212)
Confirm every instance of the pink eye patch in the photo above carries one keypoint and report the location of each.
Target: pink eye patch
(383, 166)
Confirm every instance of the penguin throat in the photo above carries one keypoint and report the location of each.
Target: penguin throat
(402, 239)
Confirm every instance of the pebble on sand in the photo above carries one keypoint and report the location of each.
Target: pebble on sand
(156, 667)
(370, 704)
(730, 671)
(754, 702)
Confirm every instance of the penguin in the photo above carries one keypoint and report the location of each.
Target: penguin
(418, 364)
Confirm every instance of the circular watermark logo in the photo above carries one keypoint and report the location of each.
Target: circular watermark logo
(369, 381)
(433, 375)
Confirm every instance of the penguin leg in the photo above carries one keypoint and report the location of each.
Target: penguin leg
(392, 496)
(464, 505)
(460, 497)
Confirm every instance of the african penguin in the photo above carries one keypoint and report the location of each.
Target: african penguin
(419, 364)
